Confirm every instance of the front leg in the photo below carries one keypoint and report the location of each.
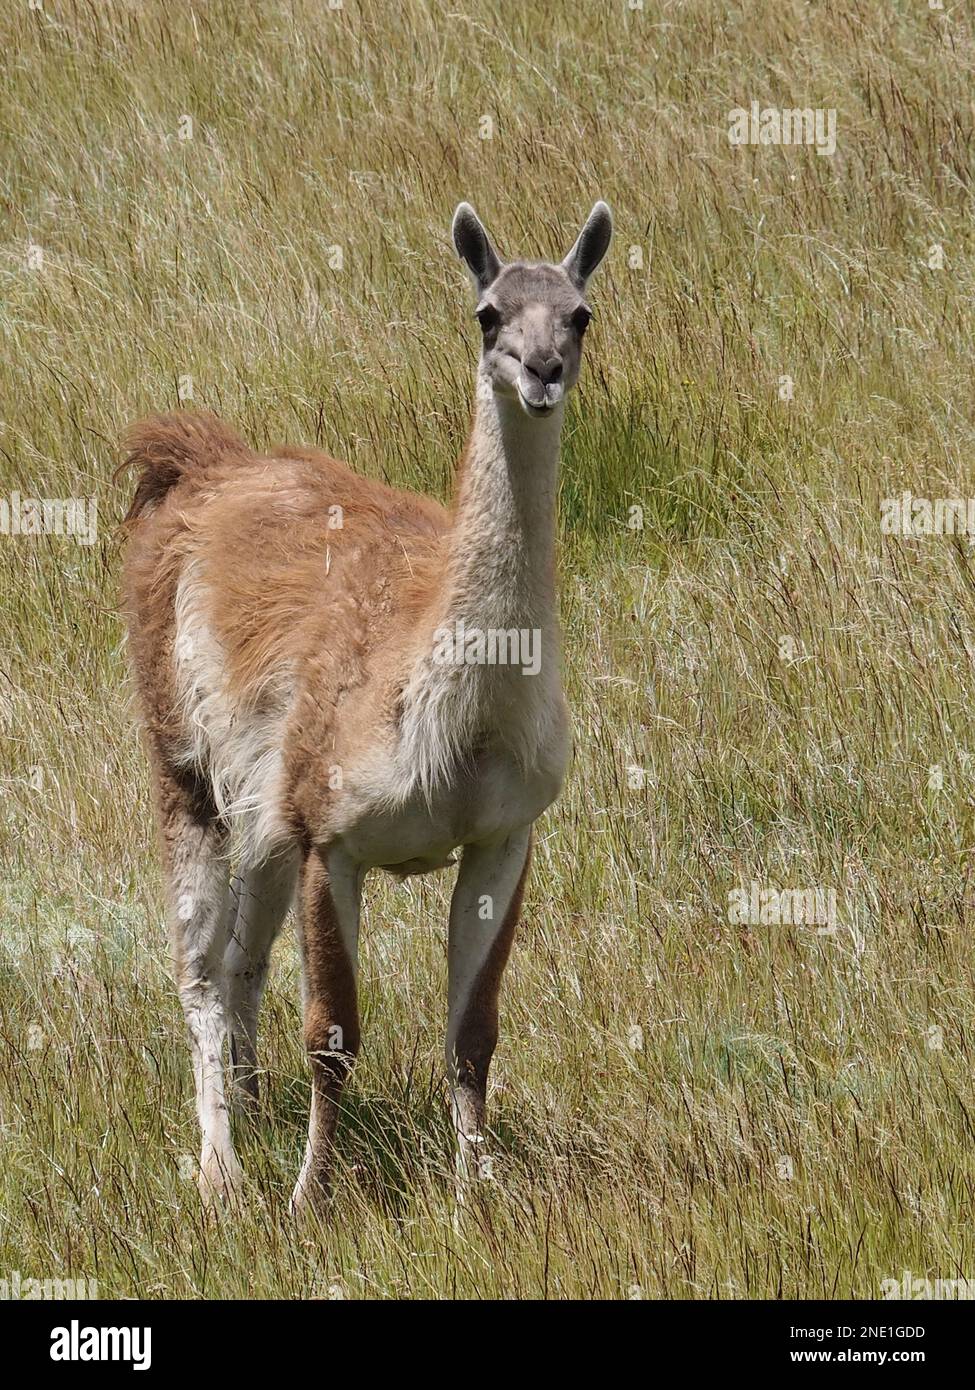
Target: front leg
(483, 914)
(330, 891)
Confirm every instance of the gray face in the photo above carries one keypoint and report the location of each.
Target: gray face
(532, 316)
(532, 321)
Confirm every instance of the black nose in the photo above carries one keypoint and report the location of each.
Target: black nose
(547, 369)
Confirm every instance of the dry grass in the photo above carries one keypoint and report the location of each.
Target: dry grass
(662, 1166)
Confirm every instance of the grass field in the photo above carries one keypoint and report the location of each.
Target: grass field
(247, 206)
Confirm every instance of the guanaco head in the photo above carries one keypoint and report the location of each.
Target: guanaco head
(533, 315)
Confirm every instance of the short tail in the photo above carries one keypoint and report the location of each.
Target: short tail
(165, 448)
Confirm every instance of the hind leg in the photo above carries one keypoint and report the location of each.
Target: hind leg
(259, 902)
(195, 846)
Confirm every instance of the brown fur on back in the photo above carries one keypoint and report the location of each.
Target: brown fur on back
(287, 588)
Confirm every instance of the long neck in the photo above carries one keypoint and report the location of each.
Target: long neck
(498, 581)
(501, 563)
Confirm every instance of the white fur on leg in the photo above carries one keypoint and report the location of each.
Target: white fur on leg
(220, 1171)
(259, 900)
(197, 883)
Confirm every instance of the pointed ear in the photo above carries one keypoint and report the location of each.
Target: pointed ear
(474, 247)
(591, 247)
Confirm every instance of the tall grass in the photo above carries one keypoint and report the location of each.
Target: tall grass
(683, 1106)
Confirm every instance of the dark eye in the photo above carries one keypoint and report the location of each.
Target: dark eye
(581, 319)
(488, 317)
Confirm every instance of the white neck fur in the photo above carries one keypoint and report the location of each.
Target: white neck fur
(499, 577)
(501, 566)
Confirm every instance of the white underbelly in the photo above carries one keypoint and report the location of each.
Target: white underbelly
(417, 835)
